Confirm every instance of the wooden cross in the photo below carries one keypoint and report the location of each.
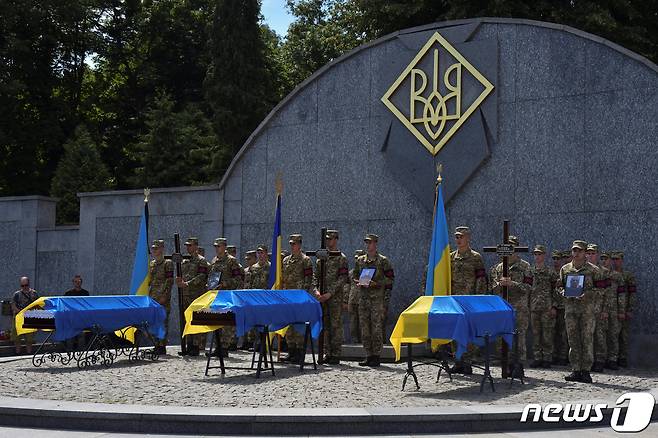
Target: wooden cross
(505, 250)
(322, 255)
(178, 258)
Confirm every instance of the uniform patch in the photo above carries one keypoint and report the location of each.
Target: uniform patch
(308, 272)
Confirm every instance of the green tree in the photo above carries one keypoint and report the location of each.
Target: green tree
(177, 148)
(238, 85)
(80, 170)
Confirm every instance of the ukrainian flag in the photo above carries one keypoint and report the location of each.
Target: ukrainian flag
(438, 266)
(275, 281)
(139, 284)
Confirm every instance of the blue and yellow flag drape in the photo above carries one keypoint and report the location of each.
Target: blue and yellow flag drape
(139, 283)
(275, 281)
(438, 266)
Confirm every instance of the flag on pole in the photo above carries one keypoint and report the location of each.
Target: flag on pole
(139, 283)
(438, 266)
(274, 281)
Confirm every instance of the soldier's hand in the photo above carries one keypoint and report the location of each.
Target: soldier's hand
(373, 284)
(181, 283)
(621, 316)
(505, 281)
(318, 295)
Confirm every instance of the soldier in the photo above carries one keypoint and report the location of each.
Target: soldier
(468, 277)
(259, 272)
(296, 273)
(626, 308)
(231, 278)
(615, 295)
(519, 284)
(579, 312)
(19, 301)
(371, 298)
(560, 344)
(193, 284)
(333, 299)
(161, 272)
(249, 260)
(600, 309)
(232, 250)
(353, 304)
(542, 309)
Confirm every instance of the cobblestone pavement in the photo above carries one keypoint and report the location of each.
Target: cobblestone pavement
(180, 381)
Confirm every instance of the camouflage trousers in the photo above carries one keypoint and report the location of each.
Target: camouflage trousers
(543, 333)
(228, 336)
(623, 339)
(294, 338)
(606, 338)
(371, 318)
(353, 310)
(522, 321)
(197, 340)
(163, 342)
(332, 323)
(561, 342)
(580, 330)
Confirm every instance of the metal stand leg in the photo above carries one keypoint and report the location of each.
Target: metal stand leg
(443, 357)
(517, 367)
(38, 362)
(307, 340)
(410, 369)
(266, 335)
(487, 370)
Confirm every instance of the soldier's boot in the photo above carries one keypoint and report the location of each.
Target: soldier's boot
(611, 365)
(516, 372)
(333, 360)
(622, 363)
(193, 350)
(585, 377)
(365, 362)
(573, 377)
(536, 363)
(457, 368)
(467, 369)
(292, 356)
(374, 361)
(597, 367)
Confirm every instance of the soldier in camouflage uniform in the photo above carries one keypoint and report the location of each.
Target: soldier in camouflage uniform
(542, 309)
(193, 285)
(580, 312)
(560, 344)
(615, 293)
(468, 277)
(353, 304)
(250, 259)
(626, 308)
(161, 273)
(259, 272)
(519, 283)
(296, 273)
(232, 250)
(600, 309)
(371, 298)
(231, 278)
(333, 300)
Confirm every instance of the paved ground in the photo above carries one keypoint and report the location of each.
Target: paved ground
(603, 432)
(180, 381)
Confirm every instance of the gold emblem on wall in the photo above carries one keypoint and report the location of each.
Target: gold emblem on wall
(439, 81)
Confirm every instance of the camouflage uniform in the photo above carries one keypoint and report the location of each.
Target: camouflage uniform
(579, 314)
(628, 307)
(616, 300)
(257, 276)
(195, 274)
(332, 320)
(371, 300)
(296, 273)
(604, 319)
(468, 277)
(232, 276)
(161, 280)
(561, 342)
(541, 303)
(520, 274)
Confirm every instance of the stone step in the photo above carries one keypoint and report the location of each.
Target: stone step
(357, 352)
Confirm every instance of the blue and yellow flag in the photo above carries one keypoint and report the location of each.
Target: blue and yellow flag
(274, 281)
(438, 266)
(139, 283)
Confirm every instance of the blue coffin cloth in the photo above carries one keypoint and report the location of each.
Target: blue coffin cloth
(466, 318)
(273, 308)
(109, 313)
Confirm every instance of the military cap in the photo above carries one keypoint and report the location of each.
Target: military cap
(231, 249)
(513, 240)
(615, 255)
(251, 252)
(192, 241)
(371, 236)
(566, 254)
(540, 249)
(580, 244)
(219, 241)
(605, 255)
(358, 253)
(261, 248)
(555, 254)
(159, 243)
(285, 253)
(295, 238)
(331, 234)
(462, 229)
(592, 247)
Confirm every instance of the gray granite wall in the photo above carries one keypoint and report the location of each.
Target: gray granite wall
(571, 154)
